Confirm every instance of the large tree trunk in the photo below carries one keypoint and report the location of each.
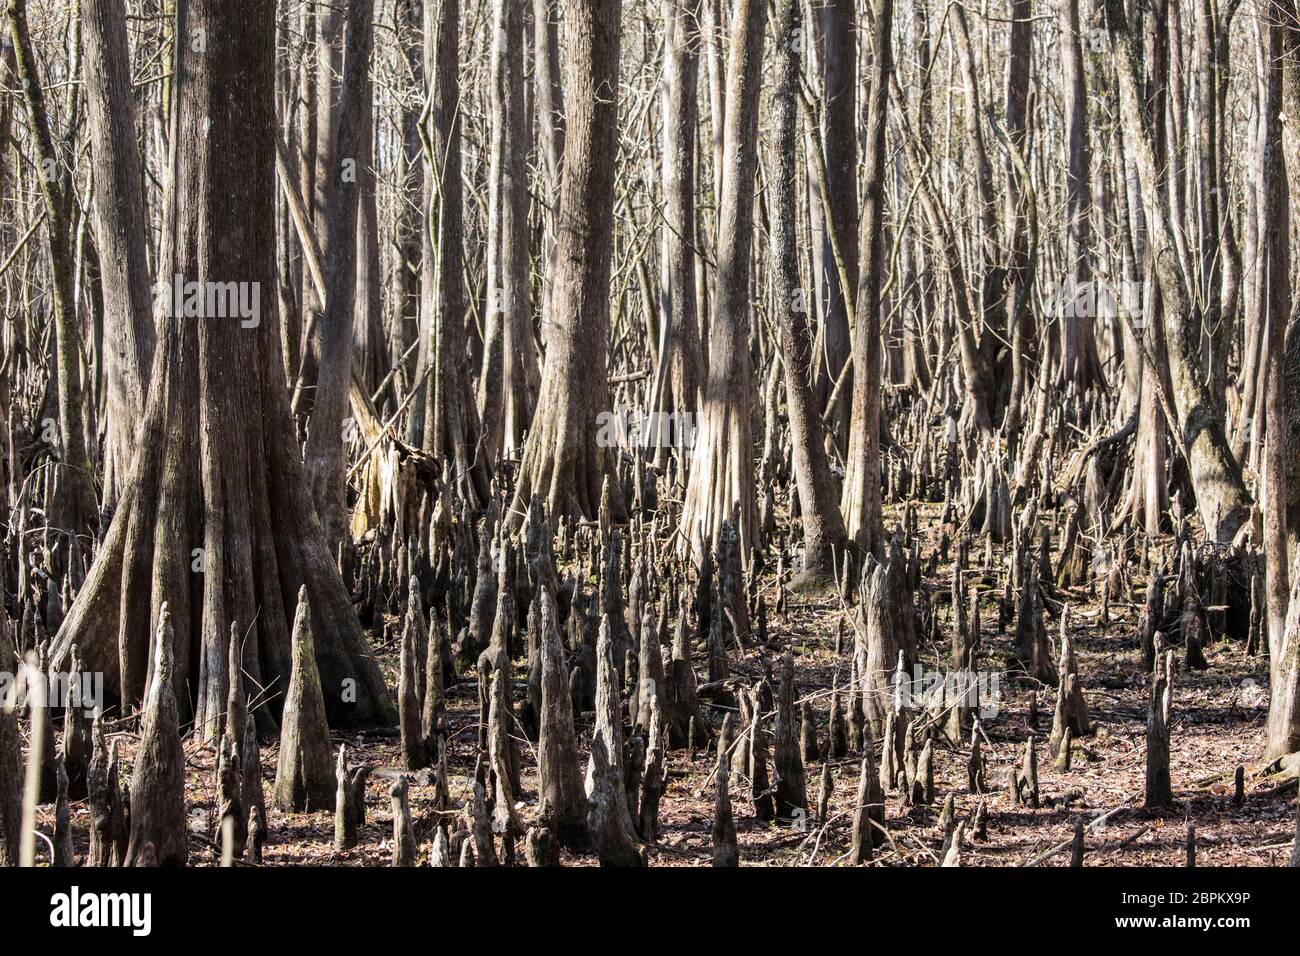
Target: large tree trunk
(549, 98)
(1079, 362)
(329, 65)
(215, 519)
(861, 500)
(1148, 496)
(291, 334)
(823, 527)
(369, 342)
(722, 464)
(564, 462)
(405, 324)
(119, 233)
(324, 99)
(1282, 151)
(1016, 222)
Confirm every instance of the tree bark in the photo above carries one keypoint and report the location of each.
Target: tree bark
(510, 377)
(78, 511)
(324, 459)
(819, 511)
(120, 223)
(1079, 361)
(1221, 495)
(722, 463)
(840, 135)
(216, 519)
(563, 461)
(444, 419)
(861, 497)
(678, 383)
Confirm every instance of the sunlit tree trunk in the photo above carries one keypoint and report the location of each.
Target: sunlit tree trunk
(564, 462)
(722, 463)
(861, 498)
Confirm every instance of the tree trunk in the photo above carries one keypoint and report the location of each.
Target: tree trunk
(840, 136)
(861, 498)
(678, 384)
(1221, 495)
(1079, 361)
(1016, 224)
(324, 459)
(1282, 44)
(216, 519)
(510, 378)
(823, 527)
(120, 221)
(444, 419)
(78, 511)
(722, 463)
(564, 462)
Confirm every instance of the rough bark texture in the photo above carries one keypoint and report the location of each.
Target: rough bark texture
(608, 818)
(216, 518)
(861, 500)
(1222, 499)
(444, 418)
(324, 458)
(120, 221)
(563, 461)
(823, 527)
(725, 851)
(679, 353)
(78, 511)
(561, 799)
(722, 464)
(508, 386)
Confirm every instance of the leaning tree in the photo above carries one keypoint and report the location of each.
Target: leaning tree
(823, 527)
(215, 518)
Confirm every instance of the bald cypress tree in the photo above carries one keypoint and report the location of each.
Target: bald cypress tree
(216, 519)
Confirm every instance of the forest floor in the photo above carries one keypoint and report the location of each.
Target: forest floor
(1218, 723)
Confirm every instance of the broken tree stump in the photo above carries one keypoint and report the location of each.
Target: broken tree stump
(1159, 790)
(349, 801)
(405, 852)
(725, 851)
